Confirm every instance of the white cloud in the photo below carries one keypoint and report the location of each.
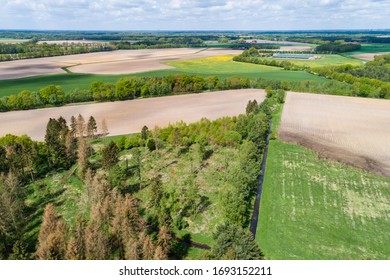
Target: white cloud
(196, 14)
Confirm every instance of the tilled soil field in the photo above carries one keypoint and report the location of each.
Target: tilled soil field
(125, 117)
(351, 130)
(115, 62)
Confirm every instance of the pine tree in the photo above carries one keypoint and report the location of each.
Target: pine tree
(147, 246)
(11, 207)
(144, 133)
(70, 146)
(104, 128)
(96, 240)
(159, 254)
(164, 241)
(52, 237)
(91, 127)
(19, 252)
(110, 155)
(81, 156)
(73, 126)
(80, 126)
(76, 245)
(132, 250)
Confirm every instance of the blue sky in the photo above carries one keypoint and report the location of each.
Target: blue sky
(194, 15)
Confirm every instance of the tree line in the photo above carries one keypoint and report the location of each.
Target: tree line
(32, 49)
(132, 88)
(338, 46)
(123, 89)
(370, 80)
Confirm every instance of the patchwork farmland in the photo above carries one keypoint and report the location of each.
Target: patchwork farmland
(116, 62)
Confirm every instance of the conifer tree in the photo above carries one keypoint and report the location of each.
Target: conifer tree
(91, 127)
(80, 126)
(52, 237)
(76, 245)
(104, 128)
(81, 156)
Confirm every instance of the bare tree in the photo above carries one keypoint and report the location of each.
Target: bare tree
(81, 156)
(80, 126)
(104, 128)
(52, 237)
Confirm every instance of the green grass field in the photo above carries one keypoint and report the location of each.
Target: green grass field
(326, 60)
(221, 66)
(317, 209)
(371, 48)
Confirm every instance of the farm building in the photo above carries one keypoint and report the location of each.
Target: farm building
(293, 55)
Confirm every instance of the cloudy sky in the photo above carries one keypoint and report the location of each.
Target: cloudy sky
(194, 15)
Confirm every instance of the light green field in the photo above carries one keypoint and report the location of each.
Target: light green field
(317, 209)
(222, 67)
(371, 48)
(325, 60)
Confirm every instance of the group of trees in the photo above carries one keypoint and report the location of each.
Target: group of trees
(378, 69)
(370, 80)
(360, 78)
(113, 230)
(338, 46)
(31, 49)
(269, 62)
(123, 89)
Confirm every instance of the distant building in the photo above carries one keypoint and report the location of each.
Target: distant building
(293, 55)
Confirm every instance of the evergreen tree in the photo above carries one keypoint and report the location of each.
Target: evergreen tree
(91, 127)
(145, 133)
(52, 237)
(55, 143)
(104, 128)
(233, 242)
(81, 156)
(73, 126)
(11, 208)
(80, 126)
(76, 246)
(19, 252)
(110, 155)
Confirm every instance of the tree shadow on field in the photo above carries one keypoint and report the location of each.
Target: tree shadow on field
(180, 247)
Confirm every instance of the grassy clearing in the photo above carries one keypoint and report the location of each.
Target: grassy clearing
(317, 209)
(64, 190)
(326, 60)
(68, 82)
(176, 176)
(221, 66)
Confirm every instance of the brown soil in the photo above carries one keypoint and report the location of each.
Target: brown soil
(346, 129)
(368, 56)
(130, 116)
(115, 62)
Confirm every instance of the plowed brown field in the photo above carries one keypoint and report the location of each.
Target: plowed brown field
(115, 62)
(130, 116)
(352, 130)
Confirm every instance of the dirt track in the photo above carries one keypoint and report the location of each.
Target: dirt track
(115, 62)
(130, 116)
(351, 130)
